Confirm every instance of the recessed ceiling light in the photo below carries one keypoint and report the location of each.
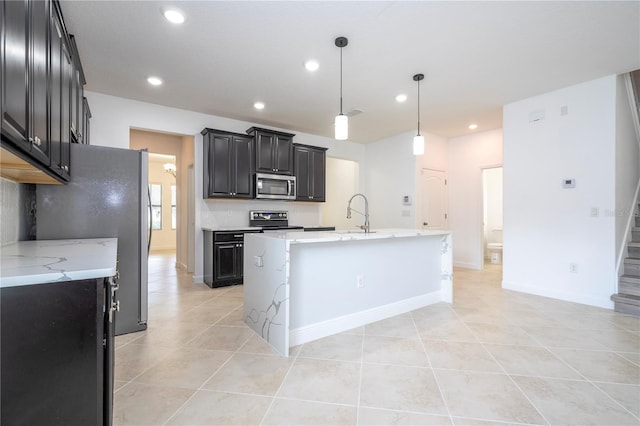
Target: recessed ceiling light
(258, 105)
(473, 126)
(401, 97)
(154, 81)
(312, 65)
(174, 16)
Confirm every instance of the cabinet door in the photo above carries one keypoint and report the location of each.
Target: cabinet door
(301, 161)
(217, 168)
(283, 154)
(225, 262)
(55, 116)
(15, 72)
(317, 175)
(242, 167)
(264, 152)
(38, 76)
(66, 74)
(86, 119)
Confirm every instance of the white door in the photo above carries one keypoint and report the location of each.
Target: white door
(434, 200)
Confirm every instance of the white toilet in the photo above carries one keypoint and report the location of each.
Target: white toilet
(495, 248)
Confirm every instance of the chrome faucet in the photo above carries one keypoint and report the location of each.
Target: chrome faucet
(365, 227)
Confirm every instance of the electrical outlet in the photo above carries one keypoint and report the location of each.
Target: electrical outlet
(360, 281)
(573, 268)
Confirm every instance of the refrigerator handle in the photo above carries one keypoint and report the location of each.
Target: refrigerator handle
(150, 220)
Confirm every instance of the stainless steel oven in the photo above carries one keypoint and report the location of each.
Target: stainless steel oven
(275, 187)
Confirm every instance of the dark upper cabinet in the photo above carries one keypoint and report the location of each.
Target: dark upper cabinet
(310, 171)
(15, 72)
(274, 151)
(42, 92)
(228, 164)
(39, 135)
(86, 122)
(77, 93)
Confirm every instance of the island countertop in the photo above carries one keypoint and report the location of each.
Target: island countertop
(44, 261)
(299, 237)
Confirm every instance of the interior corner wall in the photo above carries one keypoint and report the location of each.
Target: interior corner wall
(627, 167)
(467, 156)
(547, 228)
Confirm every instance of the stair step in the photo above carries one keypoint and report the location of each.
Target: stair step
(632, 260)
(627, 299)
(629, 286)
(630, 279)
(626, 304)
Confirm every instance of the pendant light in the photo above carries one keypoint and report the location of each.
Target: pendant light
(342, 121)
(418, 140)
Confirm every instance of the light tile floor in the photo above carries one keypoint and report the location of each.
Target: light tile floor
(493, 357)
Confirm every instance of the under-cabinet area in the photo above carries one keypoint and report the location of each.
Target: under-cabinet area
(234, 164)
(43, 108)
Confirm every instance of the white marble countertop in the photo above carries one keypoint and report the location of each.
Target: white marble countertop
(298, 237)
(44, 261)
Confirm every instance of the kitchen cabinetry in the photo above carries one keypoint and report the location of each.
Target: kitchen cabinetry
(274, 151)
(39, 111)
(57, 353)
(310, 169)
(224, 257)
(228, 164)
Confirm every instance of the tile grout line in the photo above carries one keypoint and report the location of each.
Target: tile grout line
(364, 336)
(435, 376)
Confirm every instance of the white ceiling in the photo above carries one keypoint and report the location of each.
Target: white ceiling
(476, 57)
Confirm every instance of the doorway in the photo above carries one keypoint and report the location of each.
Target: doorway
(492, 216)
(434, 200)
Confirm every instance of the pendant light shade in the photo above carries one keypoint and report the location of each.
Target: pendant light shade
(418, 140)
(342, 127)
(342, 121)
(418, 145)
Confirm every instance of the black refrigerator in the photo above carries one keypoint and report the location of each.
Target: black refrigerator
(106, 197)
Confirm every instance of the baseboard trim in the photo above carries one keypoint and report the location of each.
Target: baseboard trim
(198, 279)
(467, 265)
(347, 322)
(561, 295)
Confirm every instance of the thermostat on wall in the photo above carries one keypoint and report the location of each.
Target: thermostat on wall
(568, 183)
(406, 200)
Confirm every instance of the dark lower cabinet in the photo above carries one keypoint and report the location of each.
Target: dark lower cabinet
(310, 171)
(56, 356)
(223, 257)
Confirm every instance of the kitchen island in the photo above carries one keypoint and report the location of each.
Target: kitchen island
(299, 287)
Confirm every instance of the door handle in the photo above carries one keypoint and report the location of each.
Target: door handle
(425, 223)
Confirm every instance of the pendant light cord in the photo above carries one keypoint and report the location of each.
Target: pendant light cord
(341, 81)
(418, 107)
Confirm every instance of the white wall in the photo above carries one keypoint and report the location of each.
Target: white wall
(113, 117)
(627, 167)
(342, 182)
(164, 238)
(546, 227)
(392, 171)
(467, 156)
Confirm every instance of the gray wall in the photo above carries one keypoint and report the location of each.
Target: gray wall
(17, 211)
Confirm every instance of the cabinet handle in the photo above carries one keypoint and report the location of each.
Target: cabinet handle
(36, 141)
(30, 140)
(65, 168)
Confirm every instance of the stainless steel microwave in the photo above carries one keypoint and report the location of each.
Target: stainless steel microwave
(275, 187)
